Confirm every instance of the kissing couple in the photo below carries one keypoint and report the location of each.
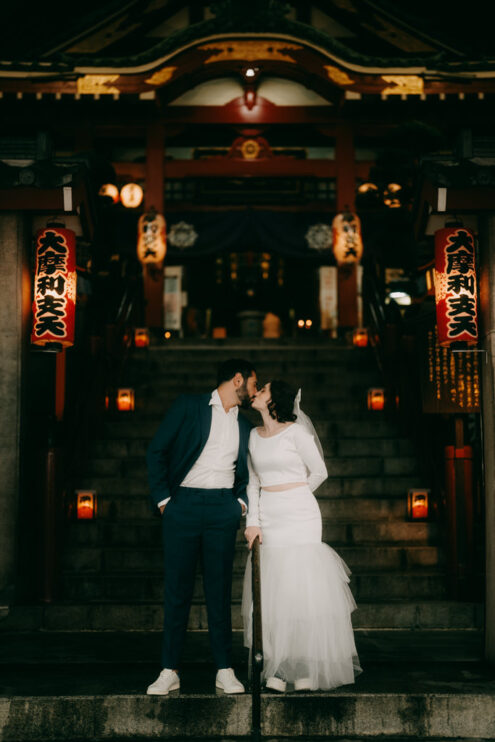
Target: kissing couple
(208, 468)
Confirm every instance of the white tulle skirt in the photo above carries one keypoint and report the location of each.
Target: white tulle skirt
(305, 597)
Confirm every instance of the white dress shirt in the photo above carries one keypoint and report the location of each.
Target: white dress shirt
(215, 467)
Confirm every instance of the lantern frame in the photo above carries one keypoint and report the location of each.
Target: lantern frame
(376, 399)
(141, 337)
(123, 394)
(360, 337)
(86, 511)
(421, 499)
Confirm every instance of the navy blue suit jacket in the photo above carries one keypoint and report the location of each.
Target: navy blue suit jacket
(179, 441)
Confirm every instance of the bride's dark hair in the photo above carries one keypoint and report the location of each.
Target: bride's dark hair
(282, 402)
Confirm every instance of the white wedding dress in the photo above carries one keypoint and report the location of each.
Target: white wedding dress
(305, 597)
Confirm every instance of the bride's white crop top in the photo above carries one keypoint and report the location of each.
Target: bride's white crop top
(285, 458)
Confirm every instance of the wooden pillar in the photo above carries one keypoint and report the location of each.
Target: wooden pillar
(154, 174)
(487, 307)
(346, 189)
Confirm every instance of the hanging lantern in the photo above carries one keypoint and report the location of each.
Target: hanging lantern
(418, 504)
(125, 400)
(131, 195)
(360, 338)
(152, 245)
(109, 190)
(85, 504)
(455, 286)
(54, 287)
(376, 399)
(347, 240)
(141, 337)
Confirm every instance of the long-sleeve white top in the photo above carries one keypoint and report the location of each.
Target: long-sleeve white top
(285, 458)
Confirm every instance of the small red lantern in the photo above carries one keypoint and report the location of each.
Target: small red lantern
(54, 304)
(455, 286)
(418, 504)
(86, 504)
(360, 338)
(219, 333)
(347, 240)
(376, 399)
(125, 400)
(141, 337)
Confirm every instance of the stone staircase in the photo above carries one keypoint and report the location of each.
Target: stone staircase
(97, 648)
(397, 566)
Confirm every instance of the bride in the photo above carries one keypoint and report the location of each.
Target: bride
(305, 597)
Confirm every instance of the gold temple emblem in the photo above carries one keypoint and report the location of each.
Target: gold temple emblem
(249, 51)
(403, 85)
(335, 74)
(97, 85)
(250, 149)
(160, 77)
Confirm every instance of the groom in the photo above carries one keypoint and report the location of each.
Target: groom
(197, 464)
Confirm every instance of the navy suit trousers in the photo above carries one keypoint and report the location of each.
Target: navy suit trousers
(199, 524)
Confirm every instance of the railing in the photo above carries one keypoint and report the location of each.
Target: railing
(257, 645)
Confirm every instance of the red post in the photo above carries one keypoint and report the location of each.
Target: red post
(460, 516)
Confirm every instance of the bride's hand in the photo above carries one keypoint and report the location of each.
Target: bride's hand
(250, 534)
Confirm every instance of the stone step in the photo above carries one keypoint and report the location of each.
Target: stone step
(414, 615)
(131, 427)
(99, 648)
(388, 702)
(337, 466)
(419, 584)
(337, 485)
(153, 406)
(115, 560)
(129, 501)
(149, 532)
(334, 447)
(314, 373)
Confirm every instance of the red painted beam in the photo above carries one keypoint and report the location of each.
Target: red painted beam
(225, 167)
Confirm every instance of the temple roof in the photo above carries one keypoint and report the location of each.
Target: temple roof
(368, 33)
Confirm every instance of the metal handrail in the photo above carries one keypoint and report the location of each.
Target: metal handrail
(257, 645)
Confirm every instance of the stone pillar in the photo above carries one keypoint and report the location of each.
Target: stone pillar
(487, 306)
(15, 295)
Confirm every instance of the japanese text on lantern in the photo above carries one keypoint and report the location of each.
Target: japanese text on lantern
(54, 287)
(455, 286)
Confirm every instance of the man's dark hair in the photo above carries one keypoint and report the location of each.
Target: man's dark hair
(228, 369)
(281, 404)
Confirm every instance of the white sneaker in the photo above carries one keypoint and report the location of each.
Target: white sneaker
(302, 684)
(227, 681)
(276, 684)
(166, 681)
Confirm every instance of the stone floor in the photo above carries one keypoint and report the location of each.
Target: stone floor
(91, 686)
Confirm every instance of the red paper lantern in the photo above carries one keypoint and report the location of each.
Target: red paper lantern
(86, 504)
(418, 504)
(125, 400)
(141, 337)
(54, 303)
(152, 244)
(360, 338)
(455, 286)
(347, 240)
(376, 399)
